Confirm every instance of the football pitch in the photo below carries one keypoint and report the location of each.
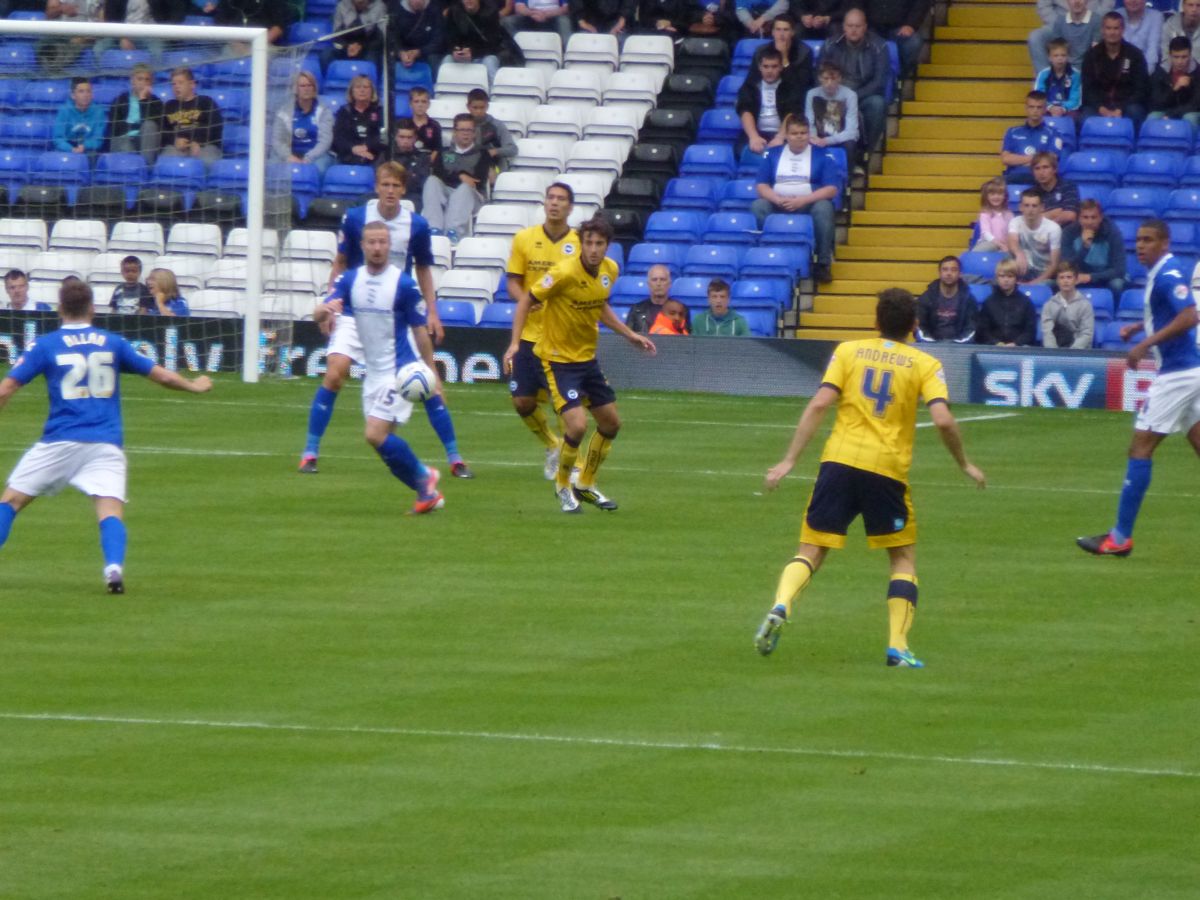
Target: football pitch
(306, 693)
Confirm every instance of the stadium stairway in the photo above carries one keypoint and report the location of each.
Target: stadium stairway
(922, 204)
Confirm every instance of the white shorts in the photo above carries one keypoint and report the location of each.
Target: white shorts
(96, 469)
(345, 339)
(381, 400)
(1172, 403)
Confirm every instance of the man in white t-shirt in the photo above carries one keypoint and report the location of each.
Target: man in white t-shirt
(1034, 241)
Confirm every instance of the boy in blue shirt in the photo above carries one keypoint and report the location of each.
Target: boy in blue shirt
(79, 125)
(81, 442)
(1060, 81)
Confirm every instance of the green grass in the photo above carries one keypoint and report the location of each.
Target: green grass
(308, 694)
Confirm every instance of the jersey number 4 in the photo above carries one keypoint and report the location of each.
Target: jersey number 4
(90, 376)
(877, 386)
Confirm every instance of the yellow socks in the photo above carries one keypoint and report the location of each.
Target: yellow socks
(537, 422)
(597, 452)
(794, 578)
(566, 461)
(902, 607)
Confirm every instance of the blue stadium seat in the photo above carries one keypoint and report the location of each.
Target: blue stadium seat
(691, 193)
(727, 90)
(692, 290)
(11, 90)
(643, 256)
(1145, 202)
(629, 289)
(737, 195)
(332, 102)
(777, 266)
(179, 173)
(709, 159)
(317, 9)
(1185, 238)
(1135, 272)
(755, 292)
(1038, 294)
(1104, 133)
(1153, 168)
(27, 15)
(301, 180)
(282, 71)
(1103, 167)
(17, 58)
(457, 312)
(1097, 192)
(749, 162)
(781, 229)
(981, 264)
(889, 88)
(496, 315)
(1183, 203)
(105, 91)
(229, 175)
(615, 252)
(1128, 226)
(1108, 337)
(348, 181)
(234, 103)
(236, 140)
(711, 261)
(202, 21)
(341, 71)
(1102, 303)
(1065, 128)
(70, 171)
(194, 59)
(124, 170)
(405, 78)
(719, 125)
(31, 132)
(763, 323)
(980, 292)
(743, 54)
(667, 226)
(731, 228)
(15, 164)
(308, 32)
(45, 96)
(1132, 305)
(1190, 176)
(1171, 135)
(119, 62)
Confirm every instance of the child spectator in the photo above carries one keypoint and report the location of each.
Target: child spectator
(1007, 317)
(358, 125)
(79, 125)
(135, 119)
(416, 163)
(1175, 90)
(192, 122)
(1060, 82)
(1068, 319)
(453, 192)
(832, 110)
(429, 131)
(1034, 241)
(165, 289)
(490, 133)
(672, 319)
(131, 295)
(994, 216)
(719, 320)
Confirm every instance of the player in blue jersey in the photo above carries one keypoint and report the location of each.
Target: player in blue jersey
(389, 312)
(1173, 401)
(410, 249)
(81, 443)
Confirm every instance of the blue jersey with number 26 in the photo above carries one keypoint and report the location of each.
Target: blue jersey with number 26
(82, 365)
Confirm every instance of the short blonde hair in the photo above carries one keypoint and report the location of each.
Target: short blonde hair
(1007, 267)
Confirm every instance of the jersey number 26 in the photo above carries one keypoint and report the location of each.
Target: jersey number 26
(90, 376)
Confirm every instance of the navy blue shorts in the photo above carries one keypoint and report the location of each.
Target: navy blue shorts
(527, 379)
(572, 384)
(842, 493)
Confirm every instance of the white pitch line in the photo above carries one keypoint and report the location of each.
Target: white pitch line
(626, 743)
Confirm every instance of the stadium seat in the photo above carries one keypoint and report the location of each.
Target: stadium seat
(1144, 202)
(754, 291)
(1188, 177)
(613, 122)
(737, 195)
(457, 312)
(45, 96)
(629, 289)
(640, 195)
(26, 131)
(631, 88)
(405, 78)
(301, 244)
(692, 290)
(1167, 135)
(521, 187)
(17, 58)
(190, 271)
(779, 264)
(501, 219)
(727, 90)
(1102, 303)
(347, 181)
(297, 276)
(237, 244)
(30, 234)
(1152, 168)
(762, 323)
(497, 315)
(749, 163)
(702, 56)
(518, 82)
(1132, 306)
(782, 229)
(1038, 294)
(194, 239)
(106, 268)
(217, 302)
(234, 103)
(342, 71)
(597, 156)
(1097, 192)
(228, 273)
(1105, 133)
(687, 91)
(40, 201)
(575, 87)
(648, 51)
(137, 237)
(55, 265)
(1064, 126)
(562, 122)
(1185, 238)
(718, 126)
(79, 234)
(646, 255)
(628, 224)
(590, 187)
(542, 49)
(14, 168)
(68, 170)
(711, 260)
(482, 253)
(467, 284)
(676, 127)
(739, 228)
(1108, 336)
(691, 193)
(678, 226)
(981, 264)
(709, 159)
(459, 79)
(105, 202)
(308, 32)
(592, 51)
(1103, 167)
(326, 212)
(658, 162)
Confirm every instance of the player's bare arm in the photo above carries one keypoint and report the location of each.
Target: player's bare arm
(947, 427)
(8, 387)
(327, 311)
(176, 382)
(1182, 323)
(609, 318)
(810, 421)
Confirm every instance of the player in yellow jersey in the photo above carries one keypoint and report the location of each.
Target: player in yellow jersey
(574, 296)
(876, 385)
(534, 251)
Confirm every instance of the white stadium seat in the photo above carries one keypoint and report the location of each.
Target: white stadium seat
(503, 219)
(514, 115)
(521, 187)
(597, 52)
(576, 87)
(482, 253)
(228, 273)
(146, 237)
(468, 284)
(539, 155)
(541, 49)
(460, 78)
(217, 301)
(79, 234)
(194, 239)
(237, 242)
(297, 277)
(30, 233)
(635, 88)
(656, 51)
(555, 121)
(523, 83)
(106, 267)
(609, 122)
(444, 109)
(318, 245)
(190, 271)
(55, 265)
(598, 156)
(442, 249)
(590, 187)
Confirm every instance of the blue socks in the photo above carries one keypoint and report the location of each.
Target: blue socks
(403, 463)
(439, 418)
(7, 514)
(318, 419)
(1137, 482)
(112, 541)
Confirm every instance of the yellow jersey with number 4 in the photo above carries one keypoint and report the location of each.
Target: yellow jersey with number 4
(880, 382)
(573, 302)
(534, 253)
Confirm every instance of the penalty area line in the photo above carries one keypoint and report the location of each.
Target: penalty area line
(622, 743)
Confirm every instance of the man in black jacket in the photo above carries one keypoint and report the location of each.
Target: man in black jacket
(417, 32)
(273, 15)
(135, 118)
(763, 104)
(614, 17)
(946, 311)
(900, 21)
(1116, 82)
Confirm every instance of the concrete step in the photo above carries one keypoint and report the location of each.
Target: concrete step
(907, 219)
(857, 252)
(978, 165)
(882, 271)
(970, 93)
(922, 203)
(1013, 111)
(989, 147)
(961, 129)
(913, 236)
(833, 334)
(837, 320)
(872, 286)
(995, 72)
(944, 52)
(1006, 34)
(928, 182)
(993, 16)
(844, 303)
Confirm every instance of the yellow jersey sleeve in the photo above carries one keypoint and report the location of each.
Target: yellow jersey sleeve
(835, 372)
(933, 380)
(518, 257)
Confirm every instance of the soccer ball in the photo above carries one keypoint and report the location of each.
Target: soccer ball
(415, 381)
